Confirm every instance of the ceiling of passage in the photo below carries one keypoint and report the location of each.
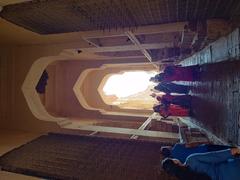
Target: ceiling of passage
(59, 16)
(7, 2)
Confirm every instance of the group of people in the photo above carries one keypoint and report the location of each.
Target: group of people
(194, 161)
(169, 104)
(198, 161)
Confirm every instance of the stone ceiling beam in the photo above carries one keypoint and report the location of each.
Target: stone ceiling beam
(135, 47)
(117, 130)
(151, 29)
(136, 42)
(143, 126)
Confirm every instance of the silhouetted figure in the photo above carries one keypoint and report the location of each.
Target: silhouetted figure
(178, 73)
(172, 88)
(41, 85)
(171, 110)
(181, 100)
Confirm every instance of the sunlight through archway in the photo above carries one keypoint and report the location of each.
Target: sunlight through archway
(130, 90)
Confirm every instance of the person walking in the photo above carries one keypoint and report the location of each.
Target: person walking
(169, 88)
(171, 110)
(178, 73)
(181, 100)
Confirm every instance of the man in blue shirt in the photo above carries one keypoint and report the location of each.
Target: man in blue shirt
(182, 151)
(224, 165)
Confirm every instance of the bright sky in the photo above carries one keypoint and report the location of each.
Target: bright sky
(128, 83)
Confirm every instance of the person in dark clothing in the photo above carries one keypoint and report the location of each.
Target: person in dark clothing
(177, 73)
(181, 100)
(172, 88)
(41, 85)
(182, 172)
(184, 73)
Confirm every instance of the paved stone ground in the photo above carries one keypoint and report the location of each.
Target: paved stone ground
(216, 99)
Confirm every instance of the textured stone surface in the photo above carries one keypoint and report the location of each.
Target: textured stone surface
(216, 99)
(58, 16)
(81, 157)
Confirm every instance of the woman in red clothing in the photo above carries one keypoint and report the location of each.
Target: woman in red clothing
(171, 110)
